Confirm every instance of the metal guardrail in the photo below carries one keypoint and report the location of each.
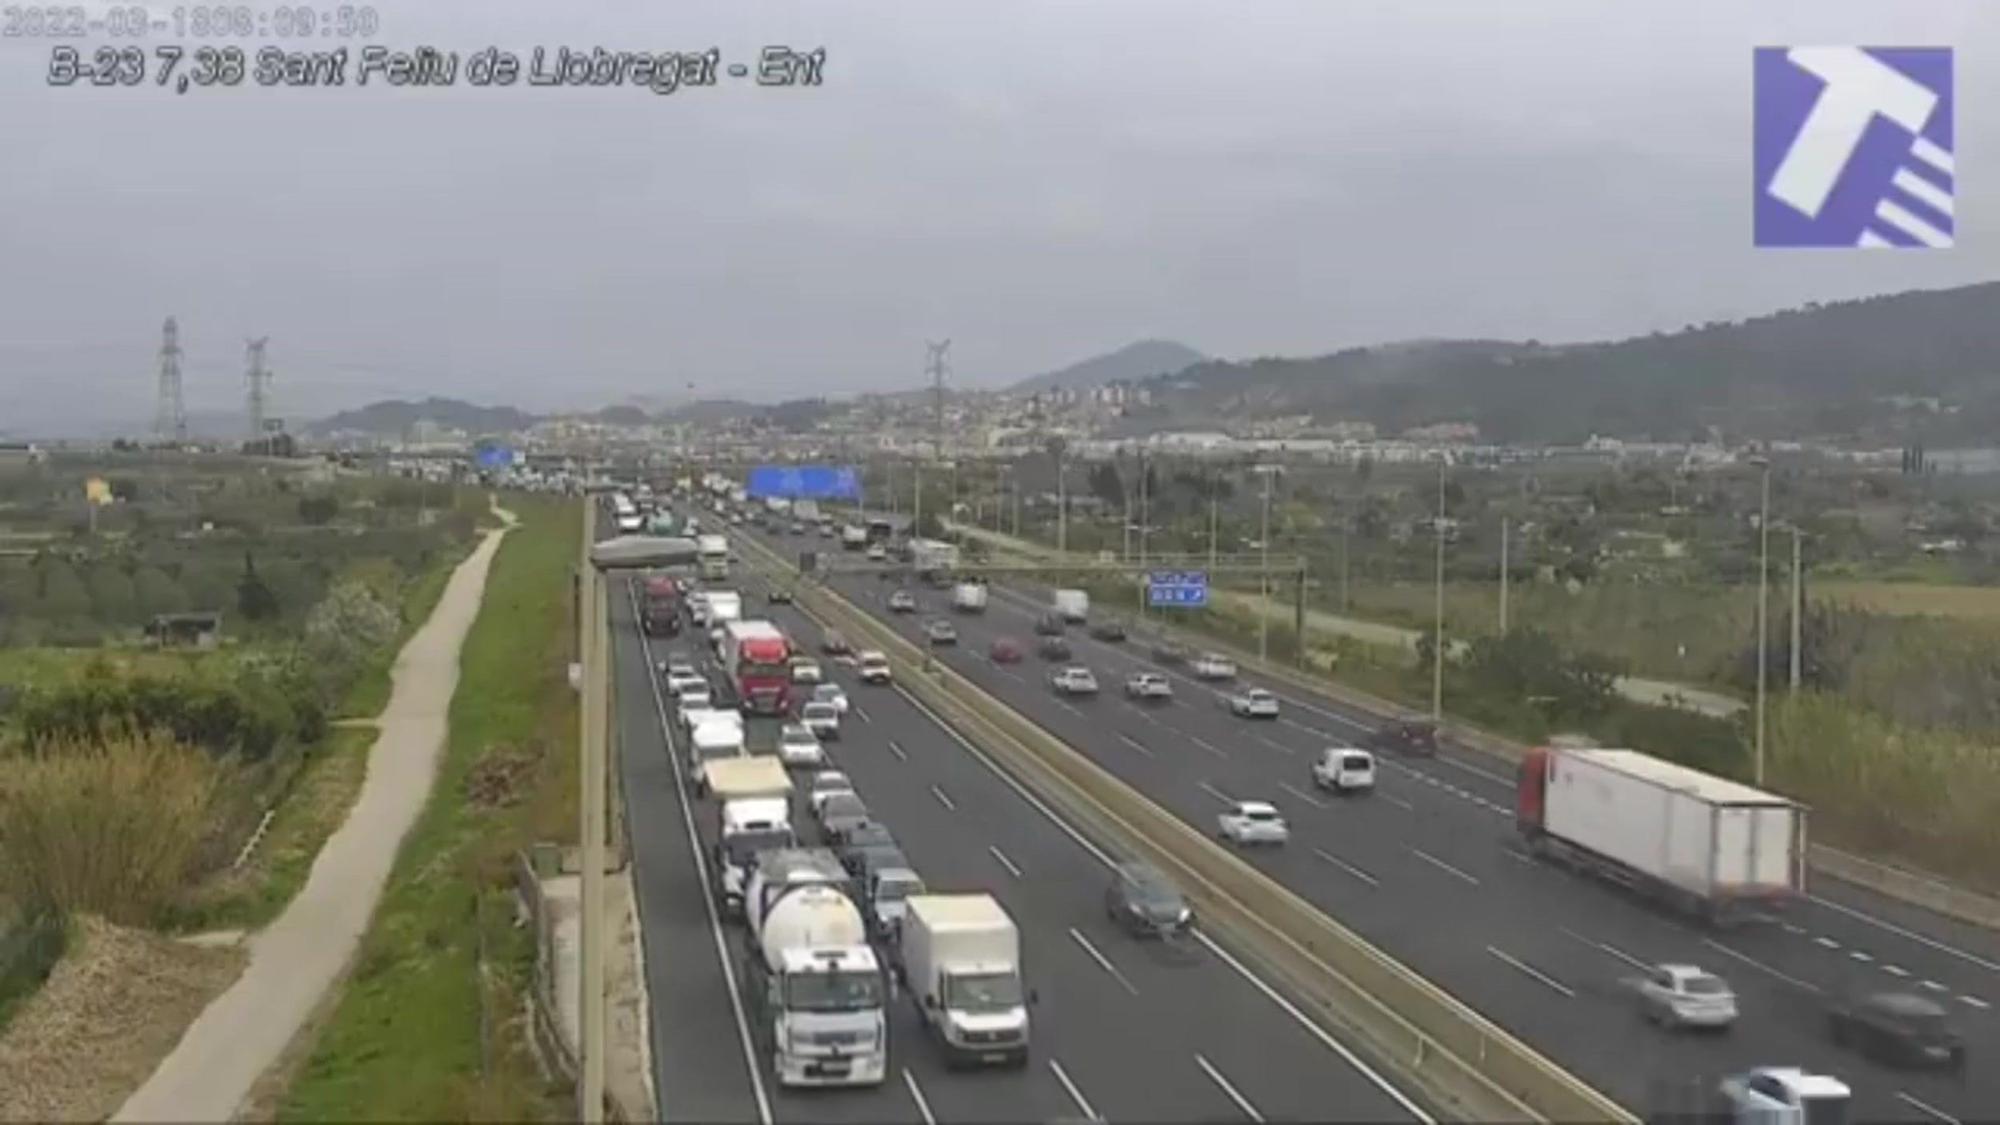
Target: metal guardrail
(1462, 1059)
(1913, 887)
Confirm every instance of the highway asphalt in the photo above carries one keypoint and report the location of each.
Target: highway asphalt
(1429, 868)
(1123, 1031)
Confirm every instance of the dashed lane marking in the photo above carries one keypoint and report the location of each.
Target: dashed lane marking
(1532, 972)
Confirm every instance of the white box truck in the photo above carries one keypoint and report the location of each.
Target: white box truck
(853, 537)
(1073, 605)
(969, 597)
(933, 556)
(961, 957)
(755, 816)
(712, 740)
(816, 990)
(1711, 847)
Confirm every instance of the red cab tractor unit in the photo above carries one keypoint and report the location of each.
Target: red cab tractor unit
(1712, 848)
(757, 658)
(660, 606)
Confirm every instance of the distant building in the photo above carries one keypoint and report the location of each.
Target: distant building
(185, 630)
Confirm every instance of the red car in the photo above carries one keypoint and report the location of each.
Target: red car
(1005, 650)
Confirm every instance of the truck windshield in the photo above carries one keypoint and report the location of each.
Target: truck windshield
(742, 845)
(982, 992)
(841, 991)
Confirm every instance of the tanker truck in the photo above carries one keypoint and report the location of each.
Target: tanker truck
(816, 990)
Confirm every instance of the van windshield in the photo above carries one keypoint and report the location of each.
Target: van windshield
(982, 992)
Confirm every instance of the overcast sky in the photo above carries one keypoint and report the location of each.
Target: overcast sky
(1040, 181)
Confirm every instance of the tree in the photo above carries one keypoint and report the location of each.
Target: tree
(1107, 485)
(318, 510)
(254, 599)
(347, 628)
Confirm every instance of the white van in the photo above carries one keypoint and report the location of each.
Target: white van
(1344, 769)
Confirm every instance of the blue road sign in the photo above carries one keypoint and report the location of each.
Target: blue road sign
(494, 457)
(1187, 589)
(804, 482)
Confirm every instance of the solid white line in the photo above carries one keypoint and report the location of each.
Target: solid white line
(1756, 964)
(1135, 744)
(751, 1060)
(942, 799)
(1531, 971)
(1217, 793)
(1932, 195)
(917, 1094)
(1941, 1115)
(1102, 962)
(1302, 795)
(1928, 151)
(1907, 221)
(896, 749)
(1443, 866)
(1347, 867)
(1899, 931)
(1242, 1102)
(1075, 1094)
(1004, 861)
(1305, 1023)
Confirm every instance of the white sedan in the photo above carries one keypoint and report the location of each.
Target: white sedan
(799, 746)
(1074, 680)
(805, 670)
(1685, 996)
(1253, 822)
(831, 693)
(1256, 703)
(1213, 666)
(825, 784)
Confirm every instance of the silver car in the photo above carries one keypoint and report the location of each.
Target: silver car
(1686, 996)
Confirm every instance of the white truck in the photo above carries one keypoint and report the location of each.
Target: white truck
(969, 597)
(715, 738)
(817, 991)
(756, 816)
(1072, 605)
(933, 556)
(711, 554)
(1714, 848)
(778, 870)
(724, 606)
(961, 957)
(1785, 1095)
(853, 537)
(805, 511)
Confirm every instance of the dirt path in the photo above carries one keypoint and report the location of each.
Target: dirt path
(301, 954)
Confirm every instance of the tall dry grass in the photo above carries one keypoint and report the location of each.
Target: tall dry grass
(114, 827)
(1890, 790)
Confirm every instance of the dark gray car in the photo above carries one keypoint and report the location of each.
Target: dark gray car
(1145, 902)
(839, 813)
(857, 840)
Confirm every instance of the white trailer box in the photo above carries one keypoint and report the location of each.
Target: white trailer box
(961, 957)
(712, 742)
(932, 555)
(1073, 605)
(1712, 844)
(969, 597)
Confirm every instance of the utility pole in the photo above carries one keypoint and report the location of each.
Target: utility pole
(1062, 507)
(1264, 571)
(1763, 600)
(1145, 506)
(936, 364)
(1798, 608)
(1344, 527)
(1503, 575)
(917, 510)
(1437, 641)
(1214, 484)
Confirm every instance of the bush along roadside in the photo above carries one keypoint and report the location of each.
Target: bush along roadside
(428, 1024)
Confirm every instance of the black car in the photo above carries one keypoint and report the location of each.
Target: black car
(1897, 1029)
(863, 859)
(1049, 625)
(1145, 902)
(834, 643)
(1053, 648)
(1414, 737)
(1109, 629)
(1170, 653)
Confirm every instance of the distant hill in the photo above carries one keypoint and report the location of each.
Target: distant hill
(711, 410)
(1142, 360)
(1881, 369)
(394, 418)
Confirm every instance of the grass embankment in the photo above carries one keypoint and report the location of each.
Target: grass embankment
(428, 1024)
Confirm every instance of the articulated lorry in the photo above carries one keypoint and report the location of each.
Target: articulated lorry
(1713, 848)
(711, 554)
(816, 990)
(961, 957)
(660, 606)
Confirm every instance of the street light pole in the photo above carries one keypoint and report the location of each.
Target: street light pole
(1763, 612)
(1437, 641)
(1798, 607)
(596, 701)
(1214, 483)
(1062, 507)
(1503, 576)
(1264, 544)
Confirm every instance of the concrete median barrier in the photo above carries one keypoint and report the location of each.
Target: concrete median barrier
(1467, 1066)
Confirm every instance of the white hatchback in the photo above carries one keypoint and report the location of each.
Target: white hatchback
(1253, 822)
(798, 746)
